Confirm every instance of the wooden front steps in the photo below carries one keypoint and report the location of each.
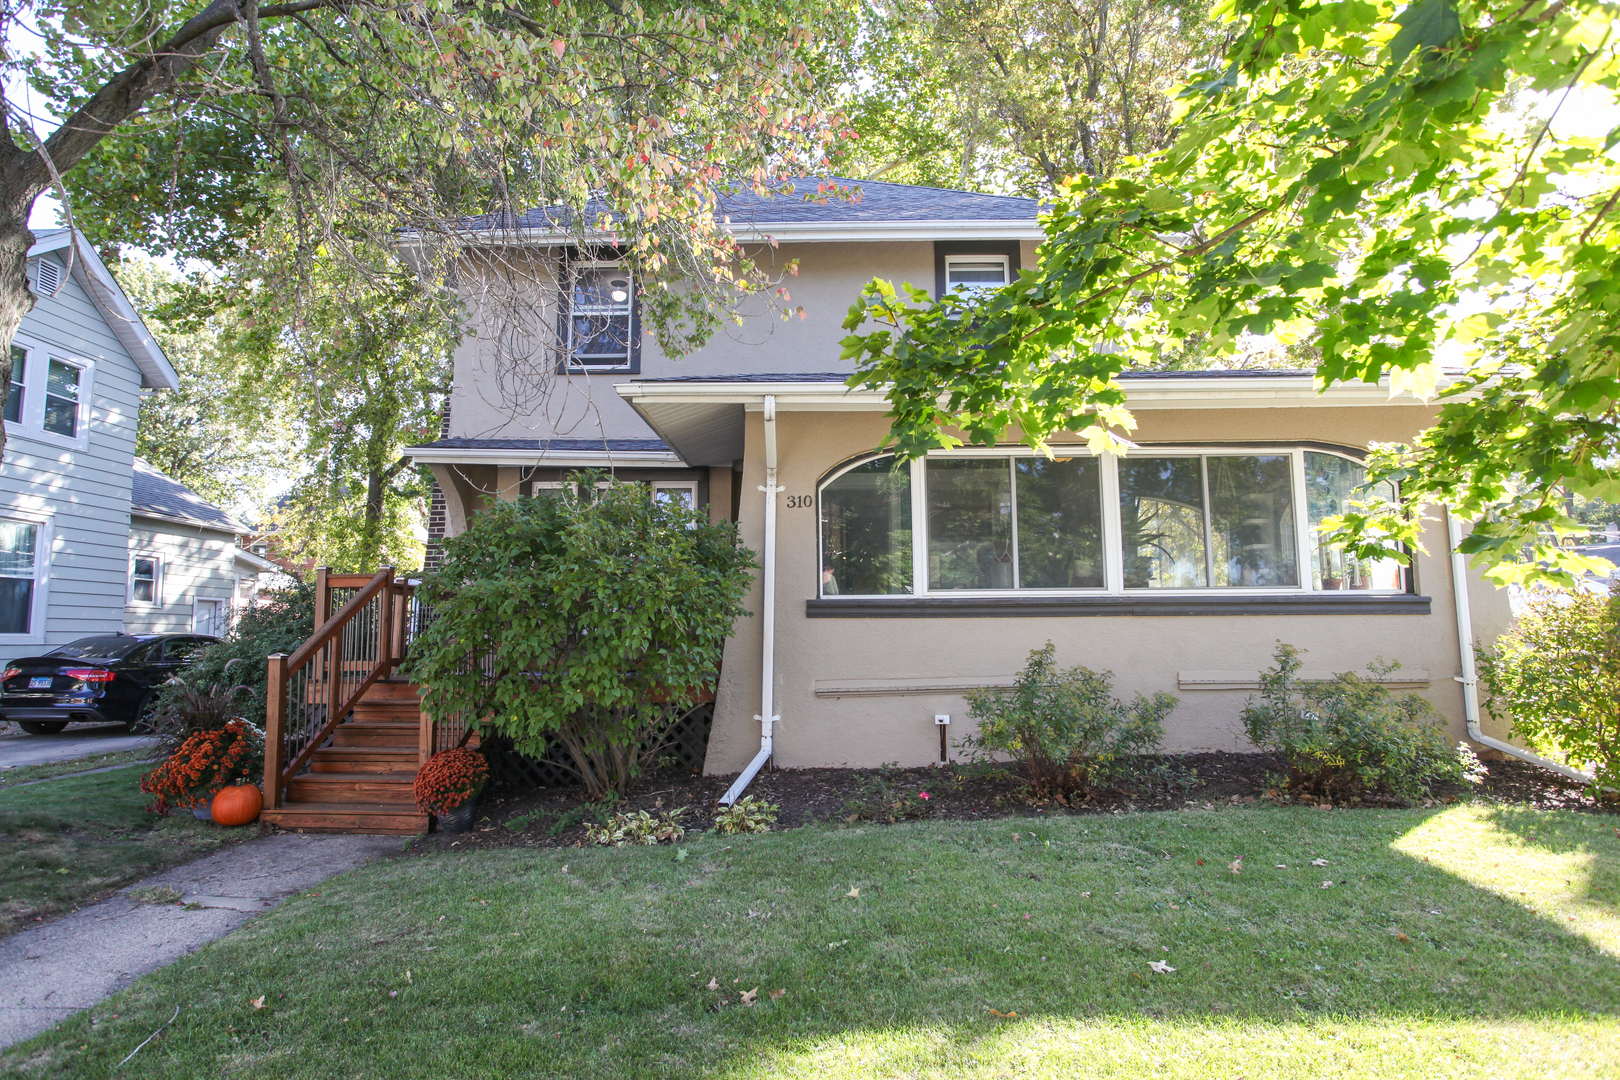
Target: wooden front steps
(362, 781)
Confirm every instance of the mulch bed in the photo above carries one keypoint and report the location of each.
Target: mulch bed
(557, 817)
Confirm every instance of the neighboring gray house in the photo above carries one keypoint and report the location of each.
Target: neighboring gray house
(187, 573)
(80, 360)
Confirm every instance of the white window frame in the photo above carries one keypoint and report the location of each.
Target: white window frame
(31, 424)
(43, 537)
(157, 580)
(573, 364)
(537, 486)
(951, 260)
(1113, 551)
(688, 486)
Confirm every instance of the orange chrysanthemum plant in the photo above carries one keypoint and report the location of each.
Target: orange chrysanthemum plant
(204, 764)
(449, 779)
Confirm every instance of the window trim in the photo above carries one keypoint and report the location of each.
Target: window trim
(1113, 588)
(32, 423)
(570, 264)
(1011, 250)
(1002, 257)
(43, 538)
(157, 580)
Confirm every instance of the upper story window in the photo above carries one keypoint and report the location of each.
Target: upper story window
(976, 273)
(49, 393)
(1010, 521)
(601, 318)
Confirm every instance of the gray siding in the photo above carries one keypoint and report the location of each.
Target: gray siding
(85, 493)
(197, 564)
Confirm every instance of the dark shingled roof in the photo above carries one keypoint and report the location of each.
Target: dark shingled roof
(567, 445)
(154, 494)
(799, 201)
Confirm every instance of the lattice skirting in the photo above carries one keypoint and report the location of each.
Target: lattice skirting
(687, 744)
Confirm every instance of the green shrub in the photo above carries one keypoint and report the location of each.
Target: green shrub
(746, 815)
(229, 679)
(889, 795)
(595, 624)
(1350, 736)
(638, 827)
(1556, 675)
(1066, 728)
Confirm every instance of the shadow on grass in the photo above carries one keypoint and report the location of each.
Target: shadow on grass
(896, 948)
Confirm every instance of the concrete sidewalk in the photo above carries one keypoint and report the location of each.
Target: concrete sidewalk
(51, 972)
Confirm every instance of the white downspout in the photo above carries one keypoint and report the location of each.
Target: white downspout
(1469, 679)
(767, 614)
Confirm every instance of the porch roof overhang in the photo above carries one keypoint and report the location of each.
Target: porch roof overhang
(702, 418)
(562, 453)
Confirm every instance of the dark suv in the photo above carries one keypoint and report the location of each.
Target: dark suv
(108, 678)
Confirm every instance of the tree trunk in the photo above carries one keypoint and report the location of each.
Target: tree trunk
(16, 299)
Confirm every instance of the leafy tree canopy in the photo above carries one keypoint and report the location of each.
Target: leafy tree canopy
(1390, 183)
(1016, 95)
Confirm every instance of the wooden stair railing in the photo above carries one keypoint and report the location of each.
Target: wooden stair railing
(315, 689)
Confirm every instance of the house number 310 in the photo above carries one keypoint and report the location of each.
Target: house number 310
(796, 501)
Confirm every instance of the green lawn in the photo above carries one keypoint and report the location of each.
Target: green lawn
(68, 841)
(1461, 942)
(27, 774)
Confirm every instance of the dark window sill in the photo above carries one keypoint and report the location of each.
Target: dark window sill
(976, 607)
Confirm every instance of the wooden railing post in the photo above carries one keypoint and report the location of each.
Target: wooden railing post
(323, 595)
(424, 739)
(275, 721)
(385, 621)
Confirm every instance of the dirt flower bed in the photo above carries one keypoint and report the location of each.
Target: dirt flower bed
(558, 817)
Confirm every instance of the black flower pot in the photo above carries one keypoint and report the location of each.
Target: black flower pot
(458, 820)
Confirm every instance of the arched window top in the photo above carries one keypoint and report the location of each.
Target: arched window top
(866, 530)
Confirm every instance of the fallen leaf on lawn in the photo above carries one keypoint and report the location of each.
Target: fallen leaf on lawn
(258, 1002)
(1161, 966)
(1280, 866)
(1085, 896)
(408, 976)
(1003, 1015)
(1401, 937)
(1236, 865)
(750, 996)
(1327, 884)
(853, 893)
(1319, 862)
(778, 993)
(837, 944)
(714, 984)
(680, 854)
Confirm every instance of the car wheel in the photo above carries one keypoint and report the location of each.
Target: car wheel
(143, 715)
(42, 727)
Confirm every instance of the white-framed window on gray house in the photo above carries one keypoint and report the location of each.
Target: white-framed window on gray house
(24, 547)
(601, 317)
(18, 391)
(976, 273)
(146, 580)
(49, 394)
(554, 489)
(678, 492)
(1165, 519)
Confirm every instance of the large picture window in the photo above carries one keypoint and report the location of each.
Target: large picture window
(1011, 521)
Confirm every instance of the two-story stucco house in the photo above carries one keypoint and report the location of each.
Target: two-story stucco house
(80, 360)
(889, 590)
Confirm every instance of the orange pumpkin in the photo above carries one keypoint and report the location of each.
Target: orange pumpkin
(237, 805)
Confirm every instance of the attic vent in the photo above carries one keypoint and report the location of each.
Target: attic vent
(49, 277)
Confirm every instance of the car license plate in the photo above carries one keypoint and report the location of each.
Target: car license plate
(40, 682)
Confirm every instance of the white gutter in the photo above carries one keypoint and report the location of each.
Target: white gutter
(427, 455)
(1470, 679)
(767, 614)
(784, 232)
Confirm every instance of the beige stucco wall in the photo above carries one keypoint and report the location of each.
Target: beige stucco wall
(506, 386)
(1145, 653)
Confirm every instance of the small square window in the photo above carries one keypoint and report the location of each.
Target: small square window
(62, 399)
(975, 273)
